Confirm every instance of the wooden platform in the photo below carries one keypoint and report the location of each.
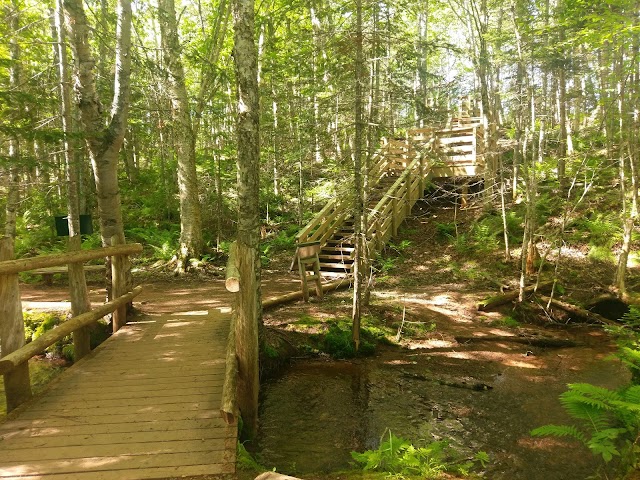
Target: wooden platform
(145, 404)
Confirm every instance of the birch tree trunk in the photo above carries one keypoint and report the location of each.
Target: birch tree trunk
(13, 194)
(249, 304)
(184, 139)
(77, 283)
(103, 142)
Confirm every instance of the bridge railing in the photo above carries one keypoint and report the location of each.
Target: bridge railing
(15, 353)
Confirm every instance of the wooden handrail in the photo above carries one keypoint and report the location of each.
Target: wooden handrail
(229, 405)
(303, 234)
(44, 341)
(57, 259)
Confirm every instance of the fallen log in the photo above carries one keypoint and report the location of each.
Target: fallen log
(275, 476)
(298, 295)
(544, 342)
(475, 386)
(496, 301)
(578, 311)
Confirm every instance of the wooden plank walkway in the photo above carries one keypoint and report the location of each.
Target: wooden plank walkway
(145, 404)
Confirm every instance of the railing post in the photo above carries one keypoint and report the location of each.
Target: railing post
(118, 285)
(422, 175)
(17, 384)
(407, 186)
(394, 217)
(79, 301)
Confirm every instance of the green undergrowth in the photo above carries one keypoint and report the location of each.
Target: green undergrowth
(334, 336)
(246, 462)
(401, 459)
(41, 372)
(607, 421)
(38, 323)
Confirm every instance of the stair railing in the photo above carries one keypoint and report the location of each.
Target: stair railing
(396, 204)
(327, 221)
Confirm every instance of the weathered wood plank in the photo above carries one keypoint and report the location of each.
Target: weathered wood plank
(116, 448)
(115, 462)
(57, 426)
(127, 411)
(84, 436)
(142, 473)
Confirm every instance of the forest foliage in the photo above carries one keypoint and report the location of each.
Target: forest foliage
(556, 83)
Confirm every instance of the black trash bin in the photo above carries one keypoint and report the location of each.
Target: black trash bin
(62, 225)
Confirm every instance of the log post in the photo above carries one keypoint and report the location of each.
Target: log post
(79, 301)
(407, 187)
(394, 218)
(248, 314)
(17, 385)
(422, 175)
(232, 275)
(118, 285)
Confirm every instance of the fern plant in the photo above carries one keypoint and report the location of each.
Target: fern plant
(609, 421)
(401, 458)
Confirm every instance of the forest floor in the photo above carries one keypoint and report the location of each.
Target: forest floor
(482, 380)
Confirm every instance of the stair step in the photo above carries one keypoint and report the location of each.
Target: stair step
(344, 258)
(339, 242)
(336, 274)
(341, 266)
(337, 249)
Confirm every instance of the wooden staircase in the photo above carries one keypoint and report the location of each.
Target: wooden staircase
(397, 179)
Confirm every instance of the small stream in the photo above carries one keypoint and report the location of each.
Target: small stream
(319, 410)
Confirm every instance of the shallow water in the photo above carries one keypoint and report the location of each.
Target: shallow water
(319, 410)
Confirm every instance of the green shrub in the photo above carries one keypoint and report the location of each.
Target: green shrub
(338, 342)
(446, 231)
(37, 323)
(400, 457)
(608, 421)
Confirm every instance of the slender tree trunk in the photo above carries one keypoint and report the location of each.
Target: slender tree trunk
(359, 217)
(103, 143)
(184, 139)
(12, 12)
(249, 303)
(77, 283)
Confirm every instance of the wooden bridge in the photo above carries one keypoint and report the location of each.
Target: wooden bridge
(398, 176)
(144, 404)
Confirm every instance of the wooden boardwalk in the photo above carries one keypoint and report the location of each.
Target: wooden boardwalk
(145, 404)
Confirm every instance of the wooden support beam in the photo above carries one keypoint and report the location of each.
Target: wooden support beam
(119, 285)
(17, 384)
(80, 302)
(292, 296)
(19, 357)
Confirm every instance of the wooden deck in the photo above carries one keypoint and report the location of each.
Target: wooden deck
(145, 404)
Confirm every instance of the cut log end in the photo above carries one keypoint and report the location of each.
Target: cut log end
(232, 284)
(228, 417)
